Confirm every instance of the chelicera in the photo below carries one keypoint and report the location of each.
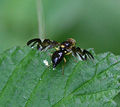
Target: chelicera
(65, 48)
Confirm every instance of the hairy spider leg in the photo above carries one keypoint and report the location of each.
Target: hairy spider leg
(34, 41)
(38, 47)
(77, 50)
(42, 45)
(88, 53)
(49, 44)
(85, 53)
(45, 43)
(54, 44)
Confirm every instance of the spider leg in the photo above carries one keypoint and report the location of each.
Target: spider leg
(42, 45)
(34, 41)
(54, 44)
(85, 57)
(38, 47)
(82, 53)
(77, 50)
(49, 44)
(85, 52)
(45, 43)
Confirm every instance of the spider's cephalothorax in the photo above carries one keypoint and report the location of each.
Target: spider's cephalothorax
(65, 48)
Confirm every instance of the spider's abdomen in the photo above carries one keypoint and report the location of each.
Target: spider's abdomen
(57, 57)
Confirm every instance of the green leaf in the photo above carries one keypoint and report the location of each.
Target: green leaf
(25, 81)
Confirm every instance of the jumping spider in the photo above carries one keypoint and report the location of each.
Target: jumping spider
(65, 48)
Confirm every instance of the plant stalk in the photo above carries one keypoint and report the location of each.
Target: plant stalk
(41, 19)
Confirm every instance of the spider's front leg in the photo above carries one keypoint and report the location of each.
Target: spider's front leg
(82, 53)
(42, 45)
(49, 44)
(33, 42)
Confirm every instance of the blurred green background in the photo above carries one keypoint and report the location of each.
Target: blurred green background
(94, 24)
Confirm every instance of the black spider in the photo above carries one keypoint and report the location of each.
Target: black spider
(65, 48)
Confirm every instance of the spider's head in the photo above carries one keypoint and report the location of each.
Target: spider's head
(68, 44)
(72, 41)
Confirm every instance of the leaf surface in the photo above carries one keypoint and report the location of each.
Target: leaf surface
(25, 80)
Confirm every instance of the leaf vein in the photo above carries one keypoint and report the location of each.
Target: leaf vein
(14, 70)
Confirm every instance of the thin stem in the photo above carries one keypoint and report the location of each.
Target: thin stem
(41, 19)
